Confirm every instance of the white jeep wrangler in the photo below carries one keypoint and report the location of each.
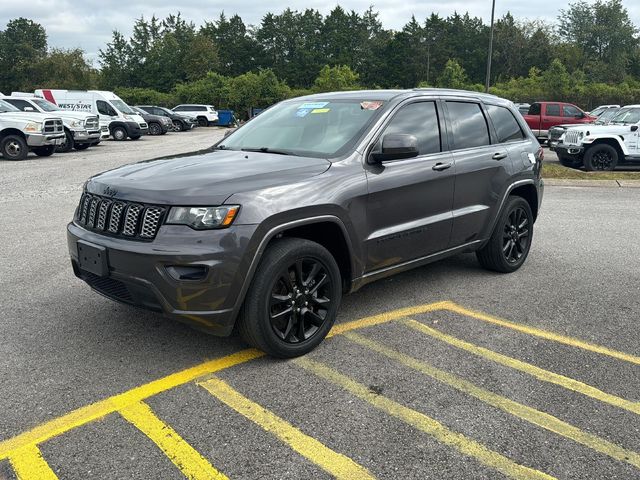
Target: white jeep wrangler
(602, 147)
(21, 132)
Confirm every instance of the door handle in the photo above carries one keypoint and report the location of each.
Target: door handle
(499, 156)
(438, 167)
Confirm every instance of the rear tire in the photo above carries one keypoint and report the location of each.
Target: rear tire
(155, 129)
(45, 151)
(510, 242)
(600, 157)
(202, 122)
(293, 299)
(14, 147)
(178, 126)
(119, 134)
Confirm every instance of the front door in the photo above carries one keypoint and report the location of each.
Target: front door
(550, 117)
(410, 200)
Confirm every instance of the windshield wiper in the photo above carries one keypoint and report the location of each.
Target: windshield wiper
(266, 150)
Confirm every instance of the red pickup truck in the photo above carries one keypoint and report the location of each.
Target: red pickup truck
(544, 115)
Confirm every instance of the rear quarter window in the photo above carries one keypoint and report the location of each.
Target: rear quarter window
(506, 126)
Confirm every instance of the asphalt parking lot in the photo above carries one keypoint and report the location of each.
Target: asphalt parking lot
(446, 371)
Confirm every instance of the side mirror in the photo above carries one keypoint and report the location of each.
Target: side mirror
(580, 115)
(28, 109)
(395, 146)
(634, 128)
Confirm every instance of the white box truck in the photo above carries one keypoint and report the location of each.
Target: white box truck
(116, 117)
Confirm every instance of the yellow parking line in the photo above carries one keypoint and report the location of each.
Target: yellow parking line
(28, 464)
(536, 417)
(338, 465)
(95, 411)
(537, 372)
(192, 465)
(573, 342)
(426, 424)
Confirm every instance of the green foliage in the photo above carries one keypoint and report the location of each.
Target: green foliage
(22, 45)
(453, 76)
(146, 96)
(332, 79)
(65, 69)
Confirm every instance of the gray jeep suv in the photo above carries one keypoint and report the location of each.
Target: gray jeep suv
(315, 197)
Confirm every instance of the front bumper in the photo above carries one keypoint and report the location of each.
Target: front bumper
(40, 140)
(84, 136)
(569, 150)
(138, 273)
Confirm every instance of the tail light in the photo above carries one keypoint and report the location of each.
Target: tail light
(540, 155)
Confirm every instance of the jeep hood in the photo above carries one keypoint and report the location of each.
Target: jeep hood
(610, 129)
(203, 178)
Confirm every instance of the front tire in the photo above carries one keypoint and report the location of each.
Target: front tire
(510, 241)
(178, 126)
(14, 147)
(119, 134)
(601, 157)
(293, 299)
(155, 129)
(45, 151)
(68, 144)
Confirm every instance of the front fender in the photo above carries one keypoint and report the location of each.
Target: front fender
(590, 140)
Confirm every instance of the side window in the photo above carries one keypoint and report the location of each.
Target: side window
(419, 119)
(506, 125)
(200, 109)
(552, 110)
(179, 109)
(534, 109)
(104, 108)
(570, 111)
(21, 104)
(468, 125)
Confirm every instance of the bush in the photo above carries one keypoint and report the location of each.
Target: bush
(338, 78)
(146, 96)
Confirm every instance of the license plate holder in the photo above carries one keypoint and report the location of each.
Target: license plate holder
(93, 258)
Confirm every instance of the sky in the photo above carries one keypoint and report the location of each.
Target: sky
(87, 24)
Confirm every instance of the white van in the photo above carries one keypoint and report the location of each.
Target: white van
(116, 117)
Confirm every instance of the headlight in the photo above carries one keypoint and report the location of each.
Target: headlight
(203, 218)
(128, 118)
(580, 135)
(76, 123)
(33, 127)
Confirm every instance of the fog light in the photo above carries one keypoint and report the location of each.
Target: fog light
(188, 272)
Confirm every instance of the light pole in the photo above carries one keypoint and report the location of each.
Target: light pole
(486, 84)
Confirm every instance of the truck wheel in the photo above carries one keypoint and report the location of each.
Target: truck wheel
(68, 144)
(570, 162)
(119, 133)
(14, 147)
(82, 146)
(155, 129)
(45, 151)
(293, 299)
(600, 157)
(510, 241)
(202, 122)
(178, 126)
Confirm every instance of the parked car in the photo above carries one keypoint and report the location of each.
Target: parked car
(181, 123)
(523, 108)
(556, 132)
(21, 132)
(314, 197)
(158, 125)
(596, 112)
(603, 147)
(81, 129)
(205, 114)
(544, 115)
(117, 119)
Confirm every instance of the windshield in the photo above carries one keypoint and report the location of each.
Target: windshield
(7, 107)
(317, 128)
(630, 115)
(608, 115)
(123, 107)
(46, 106)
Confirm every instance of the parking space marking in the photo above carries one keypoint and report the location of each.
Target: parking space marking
(547, 335)
(531, 415)
(425, 424)
(338, 465)
(537, 372)
(188, 460)
(28, 464)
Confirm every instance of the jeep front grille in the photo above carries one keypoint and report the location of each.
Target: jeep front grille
(123, 219)
(572, 137)
(53, 126)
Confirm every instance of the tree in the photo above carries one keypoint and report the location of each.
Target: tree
(453, 76)
(22, 45)
(64, 69)
(556, 81)
(114, 60)
(336, 79)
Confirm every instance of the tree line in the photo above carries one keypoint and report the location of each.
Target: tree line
(592, 54)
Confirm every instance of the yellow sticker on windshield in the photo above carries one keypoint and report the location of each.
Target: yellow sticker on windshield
(320, 110)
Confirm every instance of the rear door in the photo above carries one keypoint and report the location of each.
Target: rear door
(551, 117)
(409, 202)
(482, 168)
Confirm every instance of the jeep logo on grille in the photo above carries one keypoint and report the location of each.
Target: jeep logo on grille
(109, 192)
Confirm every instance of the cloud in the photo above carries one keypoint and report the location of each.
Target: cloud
(88, 24)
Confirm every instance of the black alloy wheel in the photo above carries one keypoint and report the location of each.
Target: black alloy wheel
(601, 157)
(202, 122)
(515, 238)
(155, 128)
(178, 126)
(300, 300)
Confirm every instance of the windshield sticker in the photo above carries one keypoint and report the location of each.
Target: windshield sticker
(371, 105)
(313, 105)
(320, 110)
(302, 112)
